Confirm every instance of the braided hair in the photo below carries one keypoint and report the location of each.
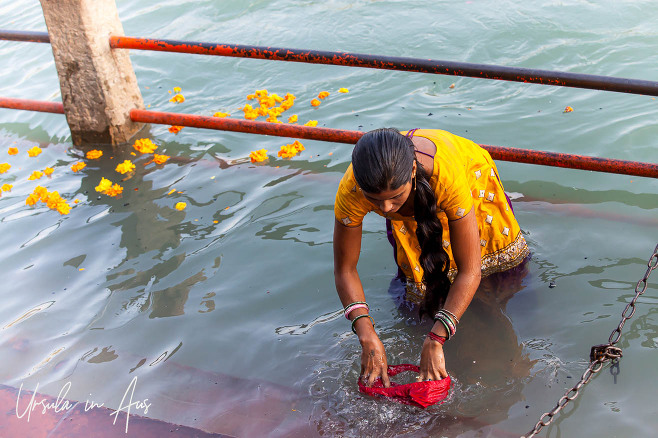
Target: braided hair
(383, 160)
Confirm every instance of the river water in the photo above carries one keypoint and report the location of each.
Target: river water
(226, 311)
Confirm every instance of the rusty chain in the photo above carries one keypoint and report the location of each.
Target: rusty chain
(600, 354)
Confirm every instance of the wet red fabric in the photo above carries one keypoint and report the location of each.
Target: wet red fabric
(422, 394)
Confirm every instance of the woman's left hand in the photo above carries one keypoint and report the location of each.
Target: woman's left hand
(432, 361)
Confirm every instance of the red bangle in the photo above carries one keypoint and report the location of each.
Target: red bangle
(433, 336)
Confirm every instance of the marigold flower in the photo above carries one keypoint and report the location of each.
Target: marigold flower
(311, 123)
(220, 114)
(12, 151)
(276, 97)
(258, 156)
(177, 90)
(251, 96)
(290, 96)
(115, 190)
(568, 110)
(48, 171)
(177, 98)
(35, 175)
(262, 111)
(78, 166)
(94, 154)
(323, 94)
(315, 102)
(6, 187)
(261, 93)
(292, 119)
(160, 159)
(33, 152)
(4, 167)
(343, 90)
(104, 185)
(63, 208)
(53, 199)
(175, 129)
(286, 105)
(251, 115)
(145, 146)
(125, 167)
(41, 193)
(32, 199)
(180, 206)
(290, 150)
(273, 119)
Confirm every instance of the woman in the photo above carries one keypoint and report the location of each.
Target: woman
(448, 219)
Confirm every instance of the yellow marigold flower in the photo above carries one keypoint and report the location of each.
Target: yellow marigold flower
(177, 90)
(178, 98)
(6, 187)
(125, 167)
(41, 193)
(94, 154)
(35, 175)
(175, 129)
(261, 93)
(315, 102)
(32, 199)
(292, 119)
(48, 171)
(290, 96)
(568, 110)
(251, 96)
(12, 151)
(343, 90)
(273, 119)
(115, 190)
(78, 166)
(258, 156)
(251, 115)
(145, 146)
(63, 207)
(180, 206)
(33, 152)
(160, 159)
(323, 94)
(220, 114)
(262, 111)
(247, 108)
(290, 150)
(311, 123)
(276, 97)
(4, 167)
(53, 199)
(104, 185)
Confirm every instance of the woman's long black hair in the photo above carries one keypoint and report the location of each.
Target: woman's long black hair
(383, 160)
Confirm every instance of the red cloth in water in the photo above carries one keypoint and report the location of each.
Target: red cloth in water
(422, 394)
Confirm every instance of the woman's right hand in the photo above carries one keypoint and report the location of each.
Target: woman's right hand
(373, 360)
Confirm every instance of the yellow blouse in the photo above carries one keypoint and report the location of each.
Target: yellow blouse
(463, 176)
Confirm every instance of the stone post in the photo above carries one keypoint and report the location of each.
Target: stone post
(98, 84)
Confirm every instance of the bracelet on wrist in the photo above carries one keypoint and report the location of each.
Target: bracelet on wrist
(362, 316)
(433, 336)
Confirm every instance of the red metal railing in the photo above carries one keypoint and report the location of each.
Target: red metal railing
(529, 156)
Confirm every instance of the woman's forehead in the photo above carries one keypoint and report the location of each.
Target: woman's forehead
(387, 194)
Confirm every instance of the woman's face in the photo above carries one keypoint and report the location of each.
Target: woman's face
(390, 201)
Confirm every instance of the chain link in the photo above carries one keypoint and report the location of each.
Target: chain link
(600, 354)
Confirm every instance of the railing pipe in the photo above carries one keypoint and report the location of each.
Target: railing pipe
(25, 36)
(516, 74)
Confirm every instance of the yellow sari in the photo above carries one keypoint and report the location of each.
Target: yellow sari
(464, 176)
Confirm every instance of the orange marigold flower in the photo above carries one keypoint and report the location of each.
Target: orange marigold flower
(48, 171)
(53, 199)
(262, 111)
(177, 90)
(115, 190)
(343, 90)
(63, 207)
(32, 199)
(178, 98)
(251, 96)
(180, 206)
(290, 96)
(4, 167)
(261, 93)
(311, 123)
(35, 175)
(568, 110)
(160, 159)
(125, 167)
(276, 97)
(12, 151)
(33, 152)
(273, 119)
(145, 146)
(41, 193)
(258, 156)
(251, 115)
(104, 185)
(94, 154)
(290, 150)
(175, 129)
(292, 119)
(323, 94)
(78, 166)
(286, 105)
(6, 187)
(315, 102)
(220, 114)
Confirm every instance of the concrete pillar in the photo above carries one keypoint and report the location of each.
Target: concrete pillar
(98, 84)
